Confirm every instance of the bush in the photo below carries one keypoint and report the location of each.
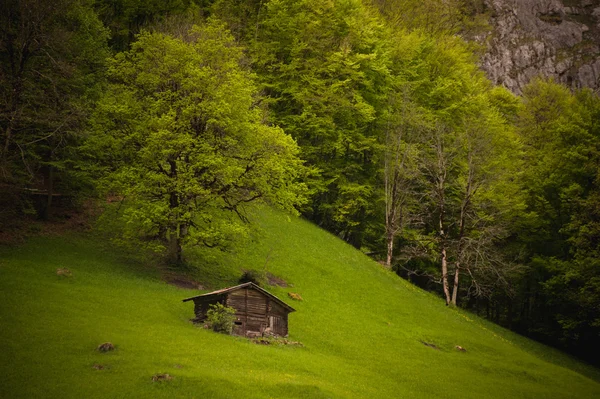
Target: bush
(220, 318)
(254, 276)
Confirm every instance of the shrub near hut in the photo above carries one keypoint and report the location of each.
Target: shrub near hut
(220, 318)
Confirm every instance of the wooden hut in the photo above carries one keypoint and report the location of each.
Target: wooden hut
(257, 311)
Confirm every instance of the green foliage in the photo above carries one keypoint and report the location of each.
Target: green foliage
(220, 318)
(181, 140)
(452, 156)
(258, 277)
(51, 62)
(126, 18)
(560, 182)
(437, 18)
(554, 127)
(324, 68)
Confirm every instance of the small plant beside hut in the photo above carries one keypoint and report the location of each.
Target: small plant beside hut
(220, 318)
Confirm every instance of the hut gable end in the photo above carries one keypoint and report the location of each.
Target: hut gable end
(258, 312)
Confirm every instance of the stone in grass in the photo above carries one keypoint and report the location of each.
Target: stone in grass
(460, 348)
(295, 296)
(64, 272)
(275, 340)
(105, 347)
(161, 377)
(429, 344)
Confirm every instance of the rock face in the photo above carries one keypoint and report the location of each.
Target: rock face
(551, 38)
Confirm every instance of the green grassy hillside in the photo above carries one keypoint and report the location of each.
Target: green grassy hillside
(362, 329)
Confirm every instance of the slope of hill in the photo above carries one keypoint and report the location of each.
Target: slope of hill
(363, 329)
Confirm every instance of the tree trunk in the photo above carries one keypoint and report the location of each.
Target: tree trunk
(455, 286)
(445, 275)
(440, 192)
(48, 209)
(175, 255)
(443, 253)
(175, 252)
(464, 208)
(7, 137)
(390, 249)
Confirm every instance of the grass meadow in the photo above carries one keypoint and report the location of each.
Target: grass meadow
(362, 328)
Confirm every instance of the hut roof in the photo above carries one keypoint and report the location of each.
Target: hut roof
(237, 287)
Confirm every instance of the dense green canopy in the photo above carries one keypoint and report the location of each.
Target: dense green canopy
(182, 142)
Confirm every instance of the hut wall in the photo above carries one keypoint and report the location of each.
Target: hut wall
(201, 306)
(278, 319)
(251, 311)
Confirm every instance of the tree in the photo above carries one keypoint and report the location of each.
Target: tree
(464, 151)
(559, 143)
(51, 60)
(434, 17)
(126, 18)
(488, 200)
(181, 140)
(324, 68)
(400, 169)
(559, 302)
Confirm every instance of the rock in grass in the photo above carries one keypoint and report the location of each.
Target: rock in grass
(161, 377)
(429, 344)
(295, 296)
(64, 272)
(274, 340)
(105, 347)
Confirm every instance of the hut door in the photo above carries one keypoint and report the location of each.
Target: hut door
(277, 325)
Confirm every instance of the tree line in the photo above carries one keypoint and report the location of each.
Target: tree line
(369, 118)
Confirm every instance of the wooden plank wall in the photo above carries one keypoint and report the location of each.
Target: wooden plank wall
(201, 306)
(251, 310)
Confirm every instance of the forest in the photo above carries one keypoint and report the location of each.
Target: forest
(370, 119)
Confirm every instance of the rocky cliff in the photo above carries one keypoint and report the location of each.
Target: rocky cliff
(552, 38)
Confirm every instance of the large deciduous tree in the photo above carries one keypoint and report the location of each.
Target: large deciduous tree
(183, 142)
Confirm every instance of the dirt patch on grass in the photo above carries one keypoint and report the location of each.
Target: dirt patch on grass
(275, 280)
(161, 377)
(184, 282)
(64, 272)
(105, 347)
(295, 296)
